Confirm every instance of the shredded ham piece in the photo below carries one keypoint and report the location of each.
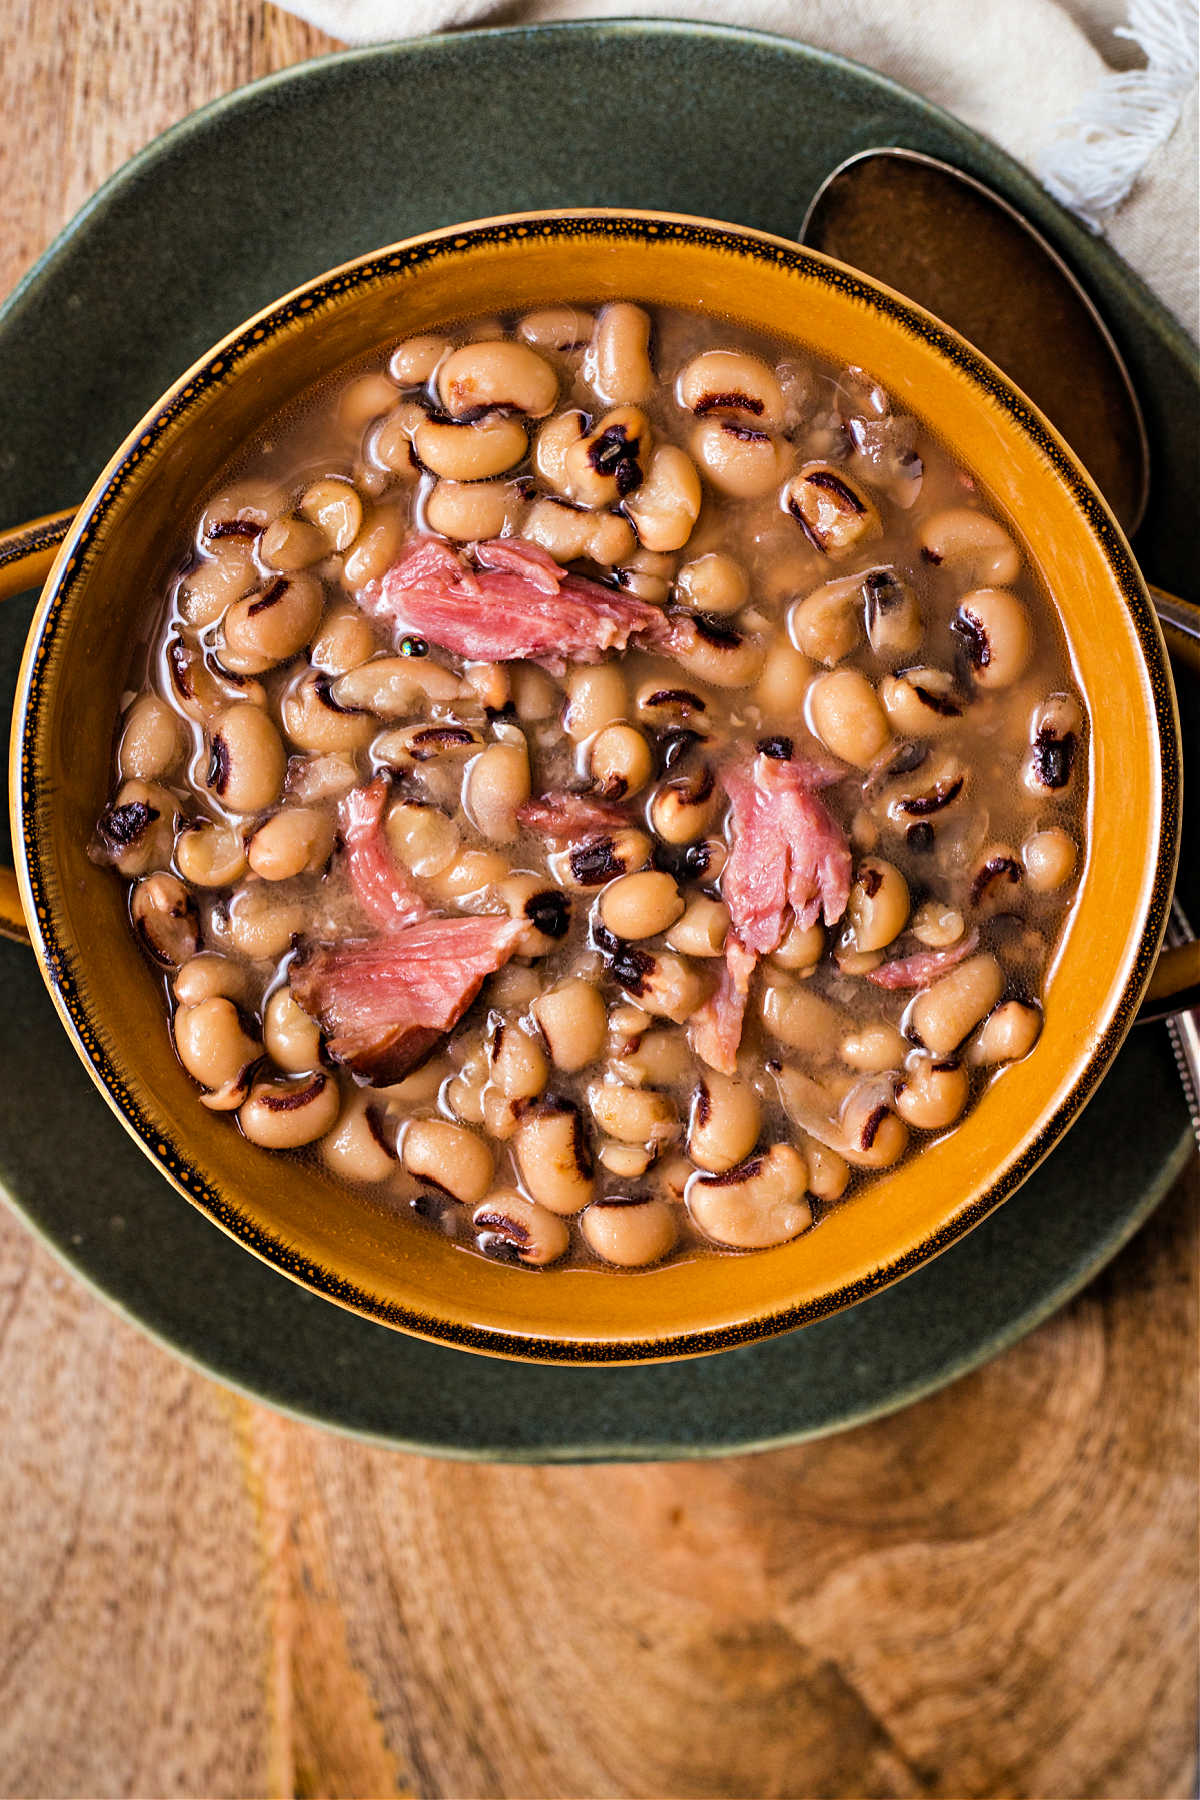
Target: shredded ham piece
(787, 851)
(561, 816)
(386, 1002)
(716, 1029)
(921, 970)
(517, 604)
(382, 889)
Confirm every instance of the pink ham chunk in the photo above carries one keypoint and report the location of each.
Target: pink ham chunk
(386, 1002)
(381, 887)
(921, 970)
(564, 817)
(787, 852)
(716, 1030)
(516, 604)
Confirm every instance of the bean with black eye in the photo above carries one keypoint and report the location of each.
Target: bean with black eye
(759, 1203)
(314, 721)
(665, 707)
(827, 624)
(619, 761)
(216, 1050)
(702, 929)
(665, 984)
(995, 879)
(546, 911)
(878, 908)
(725, 1120)
(646, 575)
(571, 532)
(151, 740)
(666, 504)
(448, 1157)
(846, 715)
(732, 383)
(834, 511)
(739, 460)
(1007, 1034)
(629, 1231)
(414, 746)
(1054, 735)
(641, 905)
(473, 451)
(873, 1136)
(375, 548)
(682, 809)
(572, 1020)
(995, 631)
(710, 650)
(931, 1094)
(533, 1234)
(497, 373)
(633, 1115)
(264, 920)
(894, 624)
(971, 544)
(356, 1149)
(284, 1115)
(414, 361)
(552, 1157)
(291, 1038)
(921, 702)
(136, 834)
(247, 759)
(713, 583)
(608, 463)
(497, 785)
(165, 918)
(946, 1013)
(617, 363)
(600, 860)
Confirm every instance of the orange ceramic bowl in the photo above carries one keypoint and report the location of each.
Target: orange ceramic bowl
(339, 1243)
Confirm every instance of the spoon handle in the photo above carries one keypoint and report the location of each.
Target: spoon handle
(27, 551)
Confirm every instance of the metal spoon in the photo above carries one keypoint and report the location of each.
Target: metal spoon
(891, 213)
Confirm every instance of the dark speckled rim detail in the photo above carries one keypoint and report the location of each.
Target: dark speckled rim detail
(64, 983)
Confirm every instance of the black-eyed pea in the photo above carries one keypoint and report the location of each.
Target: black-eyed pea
(1007, 1034)
(995, 879)
(834, 511)
(283, 1115)
(497, 784)
(713, 583)
(626, 1161)
(418, 746)
(797, 1016)
(507, 1224)
(973, 545)
(572, 1020)
(600, 860)
(393, 687)
(828, 1173)
(872, 1135)
(464, 1092)
(517, 1061)
(391, 450)
(759, 1203)
(783, 683)
(375, 548)
(552, 1156)
(995, 630)
(334, 507)
(802, 948)
(633, 1115)
(545, 911)
(473, 880)
(202, 689)
(631, 1231)
(207, 977)
(874, 1048)
(619, 761)
(878, 908)
(659, 1058)
(1049, 859)
(271, 625)
(535, 696)
(569, 532)
(421, 837)
(364, 399)
(932, 1093)
(706, 859)
(216, 1050)
(241, 510)
(610, 462)
(557, 328)
(946, 1013)
(731, 382)
(263, 920)
(136, 834)
(247, 759)
(292, 543)
(298, 840)
(845, 714)
(617, 363)
(413, 362)
(666, 708)
(725, 1120)
(647, 575)
(1055, 730)
(556, 439)
(343, 641)
(921, 702)
(315, 722)
(357, 1149)
(165, 919)
(468, 510)
(937, 924)
(701, 929)
(596, 696)
(826, 625)
(312, 780)
(895, 627)
(740, 461)
(667, 985)
(447, 1157)
(227, 573)
(500, 374)
(152, 741)
(641, 905)
(473, 451)
(667, 504)
(713, 651)
(290, 1037)
(626, 1024)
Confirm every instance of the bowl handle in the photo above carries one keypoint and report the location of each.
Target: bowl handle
(26, 553)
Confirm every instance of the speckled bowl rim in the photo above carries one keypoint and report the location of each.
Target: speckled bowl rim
(38, 883)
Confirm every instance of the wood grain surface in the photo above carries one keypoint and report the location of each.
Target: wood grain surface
(993, 1593)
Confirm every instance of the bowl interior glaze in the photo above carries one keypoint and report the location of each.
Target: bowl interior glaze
(345, 1245)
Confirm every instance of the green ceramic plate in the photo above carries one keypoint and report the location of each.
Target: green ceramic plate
(258, 193)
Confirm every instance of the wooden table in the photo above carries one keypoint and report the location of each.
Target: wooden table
(993, 1593)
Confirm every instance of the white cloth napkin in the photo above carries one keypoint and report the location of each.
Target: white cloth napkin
(1117, 146)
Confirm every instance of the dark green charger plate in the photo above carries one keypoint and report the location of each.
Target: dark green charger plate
(258, 193)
